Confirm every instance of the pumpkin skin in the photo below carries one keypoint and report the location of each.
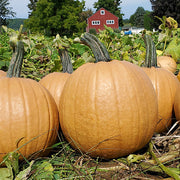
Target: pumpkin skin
(177, 104)
(165, 84)
(167, 62)
(2, 73)
(27, 111)
(108, 109)
(54, 83)
(178, 76)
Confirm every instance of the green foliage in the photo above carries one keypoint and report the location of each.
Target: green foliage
(92, 31)
(137, 18)
(168, 8)
(57, 17)
(148, 21)
(15, 23)
(5, 11)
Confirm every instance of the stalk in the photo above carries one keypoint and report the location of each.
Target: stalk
(98, 49)
(151, 56)
(66, 61)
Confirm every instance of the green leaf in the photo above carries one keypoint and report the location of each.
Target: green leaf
(12, 162)
(6, 174)
(44, 171)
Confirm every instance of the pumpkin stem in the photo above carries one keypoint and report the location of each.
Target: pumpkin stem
(17, 45)
(98, 49)
(66, 61)
(15, 66)
(151, 56)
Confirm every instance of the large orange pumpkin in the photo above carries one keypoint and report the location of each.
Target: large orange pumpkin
(177, 104)
(54, 82)
(165, 84)
(108, 109)
(29, 116)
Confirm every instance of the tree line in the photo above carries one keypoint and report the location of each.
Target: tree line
(69, 16)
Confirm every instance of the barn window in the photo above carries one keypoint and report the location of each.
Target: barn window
(102, 12)
(95, 22)
(109, 21)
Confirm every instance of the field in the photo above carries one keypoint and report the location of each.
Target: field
(158, 160)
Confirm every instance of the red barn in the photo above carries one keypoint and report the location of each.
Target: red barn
(100, 18)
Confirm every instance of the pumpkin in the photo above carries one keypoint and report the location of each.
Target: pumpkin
(2, 73)
(178, 75)
(107, 109)
(54, 82)
(165, 84)
(177, 104)
(29, 116)
(167, 62)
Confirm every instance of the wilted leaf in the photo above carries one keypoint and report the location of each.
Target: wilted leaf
(24, 174)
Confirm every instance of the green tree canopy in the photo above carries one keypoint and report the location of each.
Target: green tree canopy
(112, 6)
(56, 17)
(137, 19)
(168, 8)
(5, 11)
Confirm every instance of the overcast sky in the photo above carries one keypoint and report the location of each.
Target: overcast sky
(128, 7)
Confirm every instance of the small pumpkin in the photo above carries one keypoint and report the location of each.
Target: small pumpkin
(29, 116)
(107, 109)
(167, 62)
(177, 104)
(165, 84)
(54, 82)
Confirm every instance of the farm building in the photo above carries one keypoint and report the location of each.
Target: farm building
(100, 18)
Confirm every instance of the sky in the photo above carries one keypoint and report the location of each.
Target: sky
(128, 7)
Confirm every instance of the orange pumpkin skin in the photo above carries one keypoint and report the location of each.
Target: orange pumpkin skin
(167, 63)
(108, 109)
(54, 83)
(27, 111)
(165, 84)
(177, 104)
(2, 73)
(178, 76)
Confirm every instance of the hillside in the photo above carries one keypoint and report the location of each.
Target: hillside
(15, 23)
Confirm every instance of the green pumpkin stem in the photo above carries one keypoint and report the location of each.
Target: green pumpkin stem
(15, 66)
(66, 61)
(151, 56)
(98, 49)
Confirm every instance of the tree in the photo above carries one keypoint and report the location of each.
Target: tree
(56, 17)
(32, 5)
(137, 19)
(148, 21)
(5, 11)
(112, 6)
(168, 8)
